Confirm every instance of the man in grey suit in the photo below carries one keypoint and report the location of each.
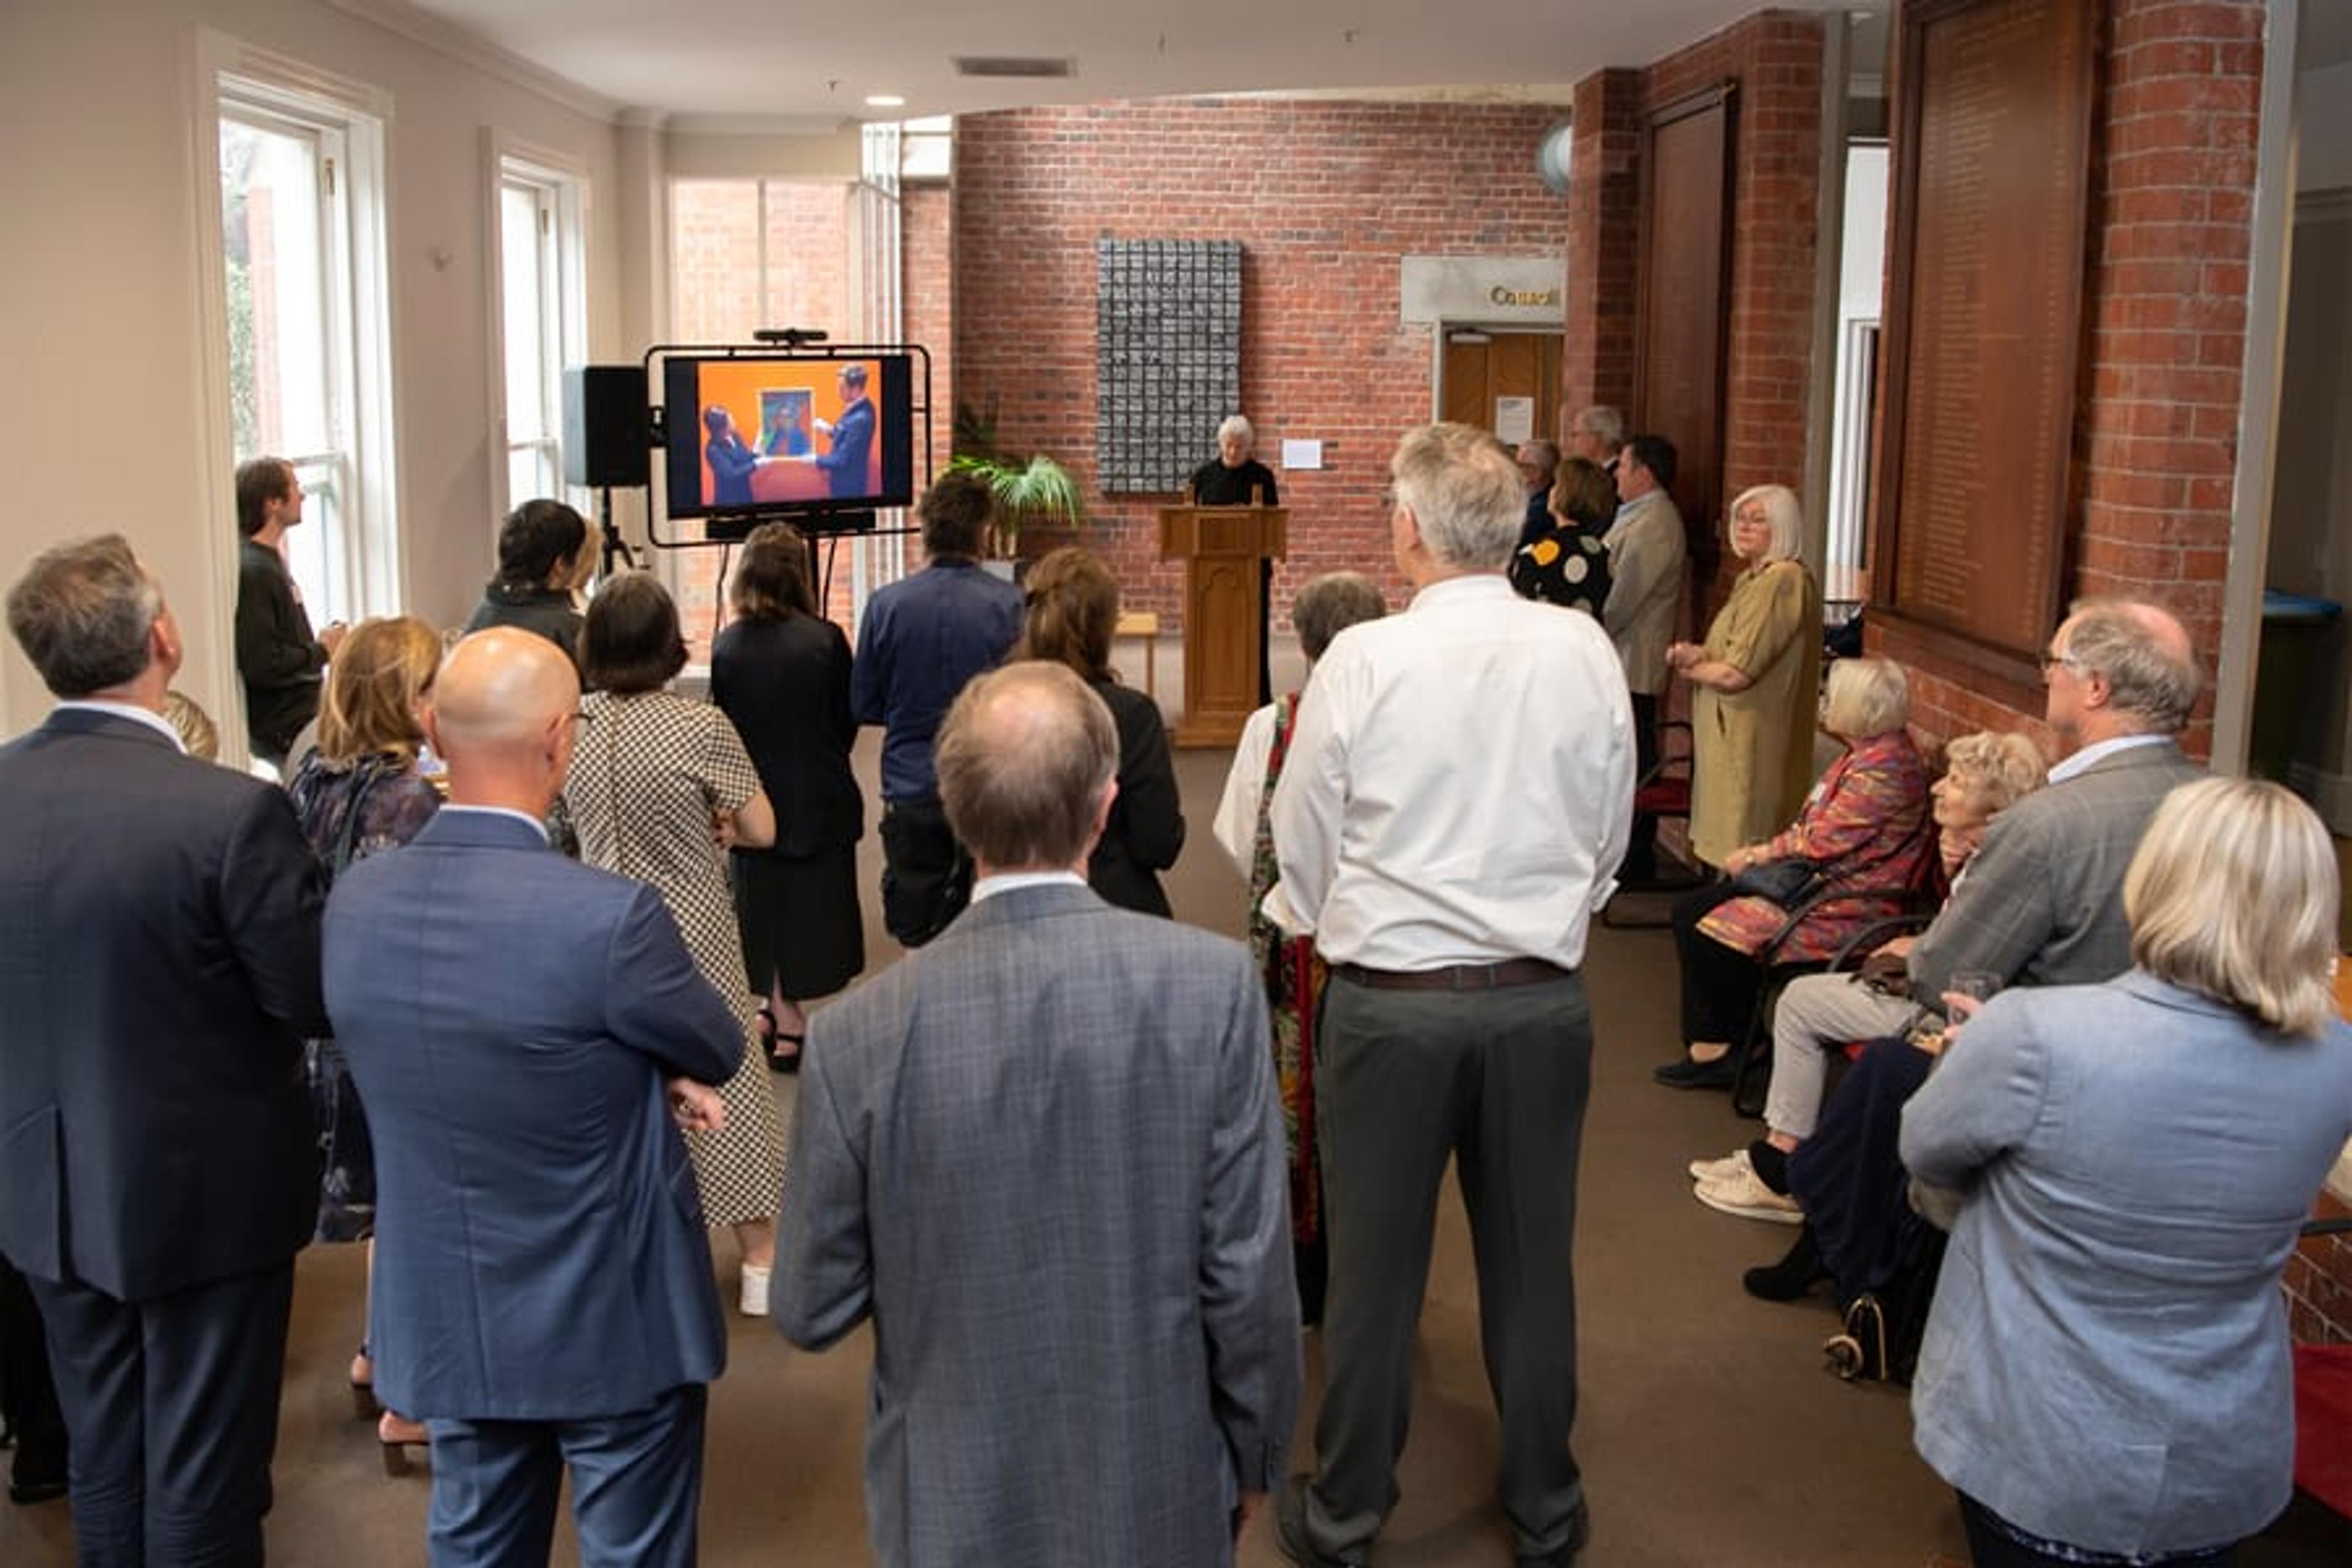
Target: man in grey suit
(159, 965)
(2043, 901)
(1042, 1155)
(542, 1292)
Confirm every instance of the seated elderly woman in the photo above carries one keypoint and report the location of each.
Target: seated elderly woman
(1294, 973)
(1861, 835)
(2105, 1373)
(1073, 605)
(1984, 773)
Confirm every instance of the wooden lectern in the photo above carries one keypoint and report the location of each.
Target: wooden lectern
(1221, 547)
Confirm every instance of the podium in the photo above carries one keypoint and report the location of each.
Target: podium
(1224, 621)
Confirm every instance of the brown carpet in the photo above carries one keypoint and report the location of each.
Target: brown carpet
(1709, 1432)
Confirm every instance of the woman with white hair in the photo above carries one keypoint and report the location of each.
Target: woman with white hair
(1755, 678)
(2105, 1373)
(1234, 477)
(1862, 836)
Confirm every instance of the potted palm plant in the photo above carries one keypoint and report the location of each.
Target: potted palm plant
(1039, 506)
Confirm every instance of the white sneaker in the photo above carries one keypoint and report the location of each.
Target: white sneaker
(1746, 1196)
(1721, 1170)
(753, 1303)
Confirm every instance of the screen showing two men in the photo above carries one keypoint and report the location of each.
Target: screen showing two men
(749, 435)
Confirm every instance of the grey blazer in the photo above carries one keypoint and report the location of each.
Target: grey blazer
(2106, 1361)
(1043, 1155)
(2043, 900)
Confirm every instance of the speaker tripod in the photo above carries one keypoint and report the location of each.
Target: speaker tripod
(615, 547)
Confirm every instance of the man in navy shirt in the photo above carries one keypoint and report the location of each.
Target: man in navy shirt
(921, 638)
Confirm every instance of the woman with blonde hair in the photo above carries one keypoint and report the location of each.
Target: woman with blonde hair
(1754, 679)
(356, 794)
(2105, 1373)
(1073, 604)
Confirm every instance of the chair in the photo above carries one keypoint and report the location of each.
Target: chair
(2323, 1410)
(1921, 899)
(1663, 792)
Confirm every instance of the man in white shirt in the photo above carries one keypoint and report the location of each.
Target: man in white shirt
(1452, 810)
(1647, 555)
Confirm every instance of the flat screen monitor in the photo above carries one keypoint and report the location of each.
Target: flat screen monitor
(786, 435)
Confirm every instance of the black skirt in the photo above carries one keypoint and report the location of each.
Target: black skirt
(803, 933)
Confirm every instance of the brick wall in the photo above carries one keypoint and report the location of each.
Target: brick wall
(1326, 198)
(1604, 226)
(2319, 1284)
(2173, 136)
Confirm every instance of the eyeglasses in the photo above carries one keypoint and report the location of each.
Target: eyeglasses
(2053, 659)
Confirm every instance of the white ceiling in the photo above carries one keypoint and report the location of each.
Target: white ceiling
(808, 65)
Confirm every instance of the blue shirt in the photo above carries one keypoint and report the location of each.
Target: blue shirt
(921, 639)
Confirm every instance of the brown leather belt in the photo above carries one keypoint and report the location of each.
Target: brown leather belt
(1454, 976)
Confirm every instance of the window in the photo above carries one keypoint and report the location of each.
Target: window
(302, 244)
(543, 318)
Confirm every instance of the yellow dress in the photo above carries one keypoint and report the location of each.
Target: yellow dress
(1754, 749)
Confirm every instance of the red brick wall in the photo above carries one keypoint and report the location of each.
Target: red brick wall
(1325, 197)
(2319, 1284)
(1604, 226)
(2173, 136)
(1776, 58)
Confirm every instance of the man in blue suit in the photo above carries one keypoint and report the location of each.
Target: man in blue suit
(158, 966)
(844, 466)
(521, 1028)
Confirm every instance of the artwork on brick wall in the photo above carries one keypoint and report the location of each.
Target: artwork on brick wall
(1168, 357)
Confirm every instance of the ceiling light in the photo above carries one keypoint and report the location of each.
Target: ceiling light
(885, 101)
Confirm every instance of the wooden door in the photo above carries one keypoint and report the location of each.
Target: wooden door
(1482, 368)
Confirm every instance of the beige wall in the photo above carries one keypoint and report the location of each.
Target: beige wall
(101, 306)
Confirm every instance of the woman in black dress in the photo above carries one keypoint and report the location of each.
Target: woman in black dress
(542, 547)
(780, 672)
(1073, 603)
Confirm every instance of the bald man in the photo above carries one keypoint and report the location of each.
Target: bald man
(523, 1030)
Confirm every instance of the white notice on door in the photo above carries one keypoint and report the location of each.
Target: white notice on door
(1515, 419)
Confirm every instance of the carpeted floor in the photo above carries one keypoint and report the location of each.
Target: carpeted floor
(1709, 1432)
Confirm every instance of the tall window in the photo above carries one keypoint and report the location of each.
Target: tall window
(543, 318)
(301, 227)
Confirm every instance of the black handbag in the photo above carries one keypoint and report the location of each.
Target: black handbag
(1785, 882)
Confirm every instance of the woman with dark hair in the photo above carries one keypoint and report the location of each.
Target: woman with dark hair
(780, 672)
(542, 551)
(1073, 605)
(731, 457)
(1568, 563)
(357, 793)
(656, 783)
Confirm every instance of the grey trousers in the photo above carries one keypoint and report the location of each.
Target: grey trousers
(1497, 1080)
(1816, 1015)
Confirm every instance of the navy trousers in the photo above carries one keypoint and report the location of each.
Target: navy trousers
(637, 1485)
(171, 1408)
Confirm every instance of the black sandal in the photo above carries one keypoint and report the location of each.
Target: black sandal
(770, 1037)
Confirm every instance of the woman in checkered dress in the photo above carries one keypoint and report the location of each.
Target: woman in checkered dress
(656, 782)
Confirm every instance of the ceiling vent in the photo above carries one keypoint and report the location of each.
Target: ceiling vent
(1016, 66)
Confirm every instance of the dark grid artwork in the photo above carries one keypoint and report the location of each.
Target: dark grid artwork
(1168, 358)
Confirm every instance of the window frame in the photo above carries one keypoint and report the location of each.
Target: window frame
(560, 189)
